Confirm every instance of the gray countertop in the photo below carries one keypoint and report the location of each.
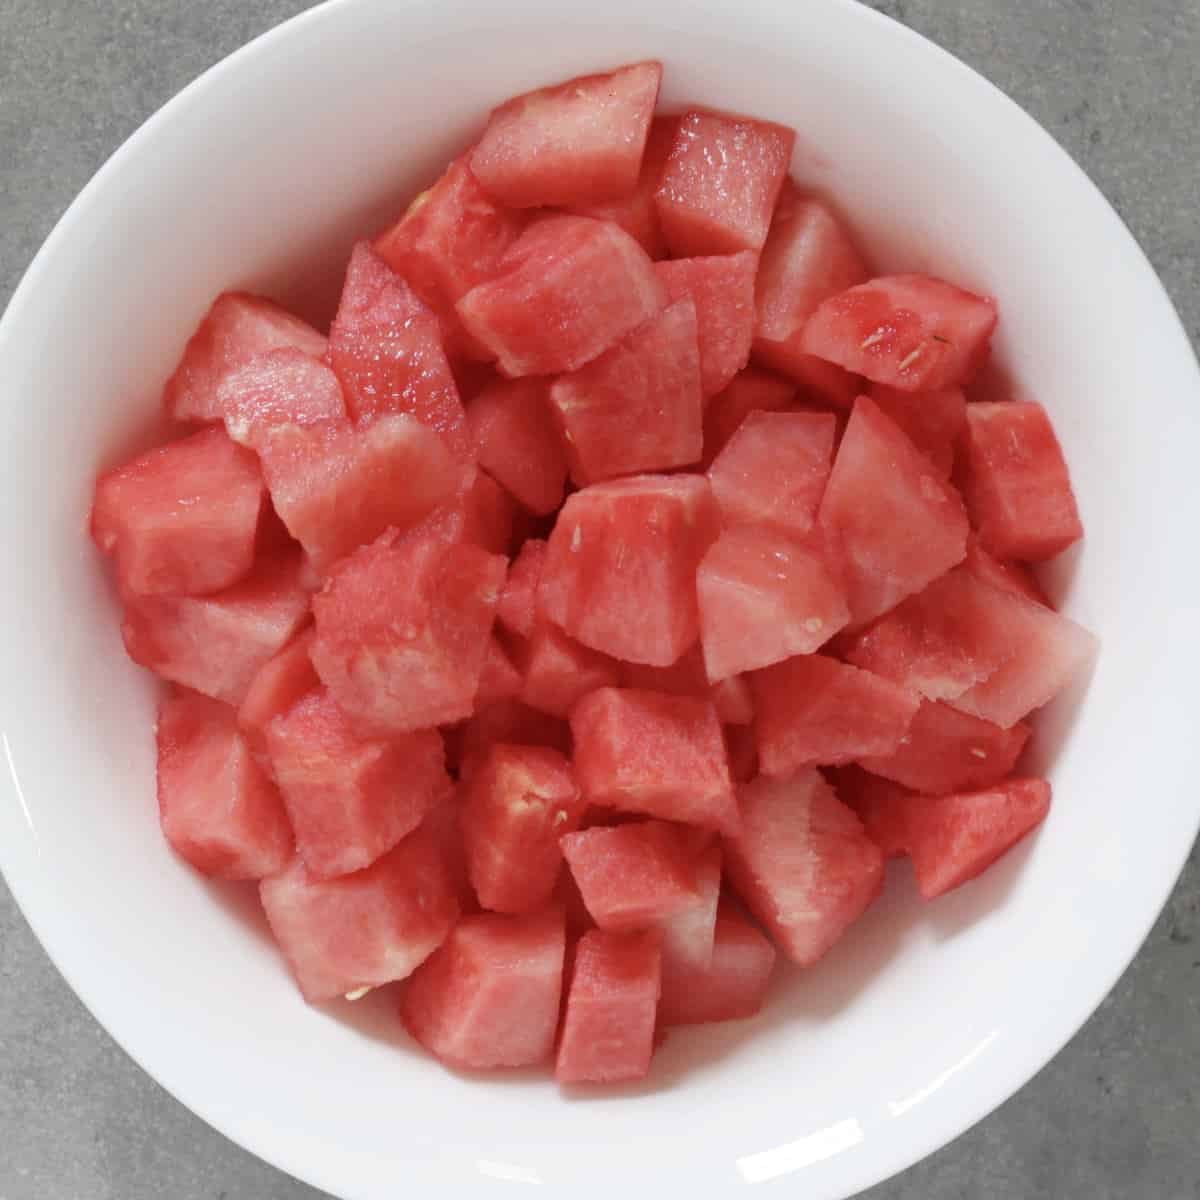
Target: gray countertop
(1116, 1115)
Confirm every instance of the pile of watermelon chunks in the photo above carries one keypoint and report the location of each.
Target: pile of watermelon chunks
(593, 612)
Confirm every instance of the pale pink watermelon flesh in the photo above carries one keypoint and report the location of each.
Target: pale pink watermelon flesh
(283, 387)
(276, 686)
(557, 672)
(933, 421)
(751, 390)
(517, 609)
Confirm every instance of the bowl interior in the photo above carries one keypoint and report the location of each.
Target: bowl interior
(261, 175)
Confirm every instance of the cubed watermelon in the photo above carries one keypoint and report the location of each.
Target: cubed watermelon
(276, 686)
(909, 331)
(815, 711)
(500, 679)
(517, 610)
(443, 824)
(283, 387)
(741, 747)
(359, 931)
(237, 328)
(733, 700)
(181, 519)
(933, 421)
(749, 391)
(557, 672)
(688, 935)
(218, 808)
(568, 288)
(481, 514)
(507, 721)
(687, 677)
(578, 142)
(1018, 488)
(620, 568)
(489, 996)
(645, 752)
(722, 179)
(882, 807)
(1006, 574)
(608, 1029)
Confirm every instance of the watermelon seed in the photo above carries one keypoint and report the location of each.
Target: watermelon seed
(576, 539)
(814, 624)
(978, 752)
(912, 358)
(877, 336)
(358, 993)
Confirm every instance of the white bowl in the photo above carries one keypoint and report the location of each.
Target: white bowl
(260, 174)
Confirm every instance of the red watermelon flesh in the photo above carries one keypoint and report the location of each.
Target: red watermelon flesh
(803, 863)
(638, 407)
(933, 421)
(1018, 487)
(823, 384)
(687, 677)
(912, 332)
(722, 288)
(1005, 574)
(508, 721)
(284, 387)
(219, 811)
(720, 184)
(687, 937)
(442, 825)
(517, 610)
(500, 679)
(237, 328)
(649, 753)
(482, 514)
(489, 996)
(733, 700)
(608, 1029)
(359, 931)
(182, 518)
(816, 711)
(741, 746)
(569, 287)
(576, 143)
(882, 807)
(276, 686)
(898, 524)
(749, 391)
(557, 672)
(620, 568)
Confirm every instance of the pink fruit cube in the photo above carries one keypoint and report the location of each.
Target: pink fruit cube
(557, 672)
(276, 686)
(749, 391)
(933, 421)
(517, 610)
(500, 679)
(283, 387)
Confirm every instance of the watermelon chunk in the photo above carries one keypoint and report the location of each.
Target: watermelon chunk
(733, 700)
(517, 444)
(933, 421)
(1007, 575)
(579, 142)
(217, 644)
(632, 876)
(608, 1030)
(350, 799)
(663, 756)
(1018, 487)
(720, 184)
(802, 863)
(402, 630)
(722, 288)
(386, 349)
(519, 802)
(763, 598)
(489, 996)
(638, 407)
(688, 935)
(899, 525)
(620, 568)
(237, 328)
(557, 672)
(182, 518)
(218, 809)
(500, 679)
(517, 610)
(815, 711)
(774, 469)
(284, 387)
(911, 332)
(569, 287)
(687, 677)
(508, 721)
(276, 686)
(482, 514)
(882, 807)
(741, 746)
(749, 391)
(948, 751)
(359, 931)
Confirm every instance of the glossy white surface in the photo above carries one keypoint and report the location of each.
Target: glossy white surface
(926, 1017)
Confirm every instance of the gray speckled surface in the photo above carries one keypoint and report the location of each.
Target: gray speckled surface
(1117, 1114)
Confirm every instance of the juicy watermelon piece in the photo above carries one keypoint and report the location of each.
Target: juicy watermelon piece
(664, 756)
(442, 824)
(217, 644)
(451, 238)
(489, 996)
(722, 288)
(774, 469)
(809, 256)
(687, 677)
(508, 721)
(933, 421)
(688, 935)
(952, 839)
(911, 332)
(579, 142)
(386, 349)
(569, 287)
(720, 184)
(519, 802)
(359, 931)
(803, 863)
(815, 711)
(337, 486)
(284, 387)
(764, 597)
(1007, 575)
(1018, 487)
(733, 701)
(632, 876)
(218, 809)
(276, 686)
(749, 391)
(637, 407)
(482, 514)
(731, 987)
(948, 751)
(517, 444)
(237, 328)
(620, 568)
(500, 679)
(741, 746)
(608, 1030)
(183, 518)
(557, 671)
(517, 610)
(350, 799)
(823, 384)
(898, 523)
(882, 807)
(402, 630)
